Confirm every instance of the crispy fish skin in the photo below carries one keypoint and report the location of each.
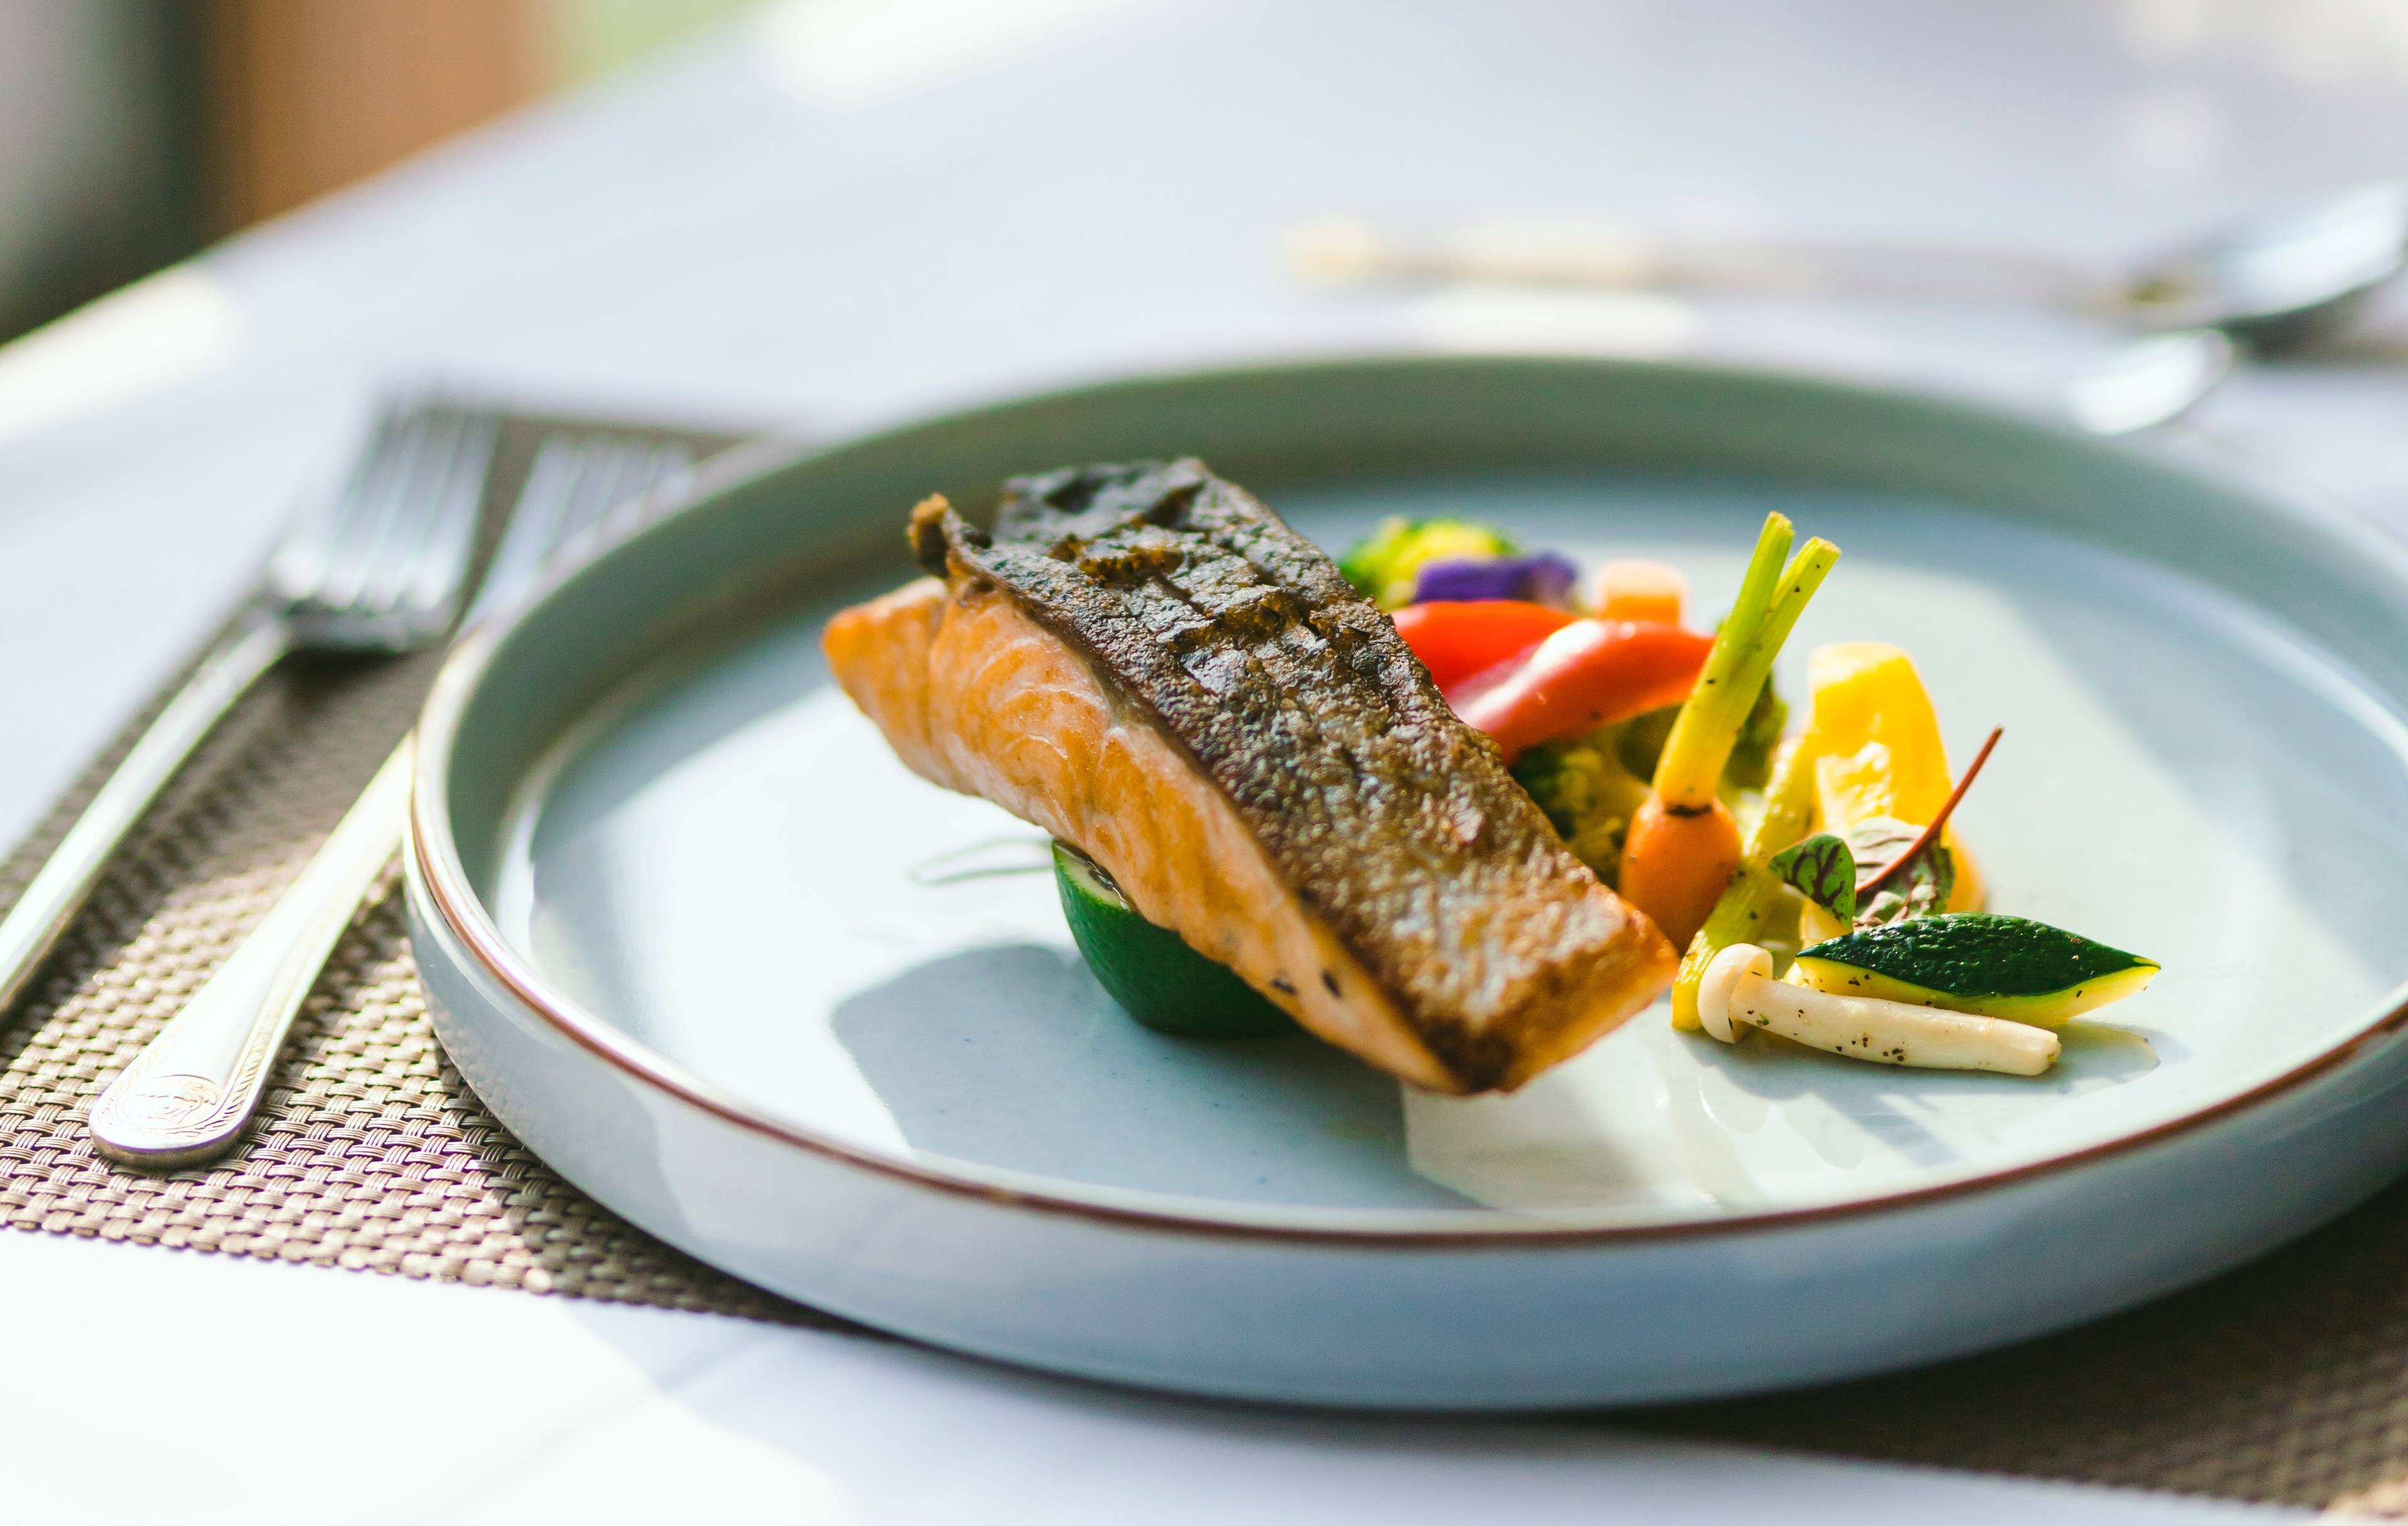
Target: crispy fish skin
(1147, 662)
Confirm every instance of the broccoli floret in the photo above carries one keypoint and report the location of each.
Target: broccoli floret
(1639, 741)
(1590, 785)
(1588, 793)
(1385, 566)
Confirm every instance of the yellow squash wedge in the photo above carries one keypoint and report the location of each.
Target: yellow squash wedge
(1875, 740)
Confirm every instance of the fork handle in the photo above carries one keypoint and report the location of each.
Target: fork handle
(191, 1091)
(43, 914)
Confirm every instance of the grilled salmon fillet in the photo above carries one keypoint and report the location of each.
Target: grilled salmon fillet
(1147, 663)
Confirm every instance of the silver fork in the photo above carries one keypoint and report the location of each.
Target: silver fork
(191, 1091)
(379, 567)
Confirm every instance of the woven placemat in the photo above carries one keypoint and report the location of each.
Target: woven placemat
(2286, 1382)
(369, 1152)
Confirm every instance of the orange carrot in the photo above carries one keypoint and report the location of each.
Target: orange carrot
(1682, 848)
(1630, 589)
(1676, 861)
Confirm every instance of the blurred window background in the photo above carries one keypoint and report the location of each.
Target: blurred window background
(134, 132)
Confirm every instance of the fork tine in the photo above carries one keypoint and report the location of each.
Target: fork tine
(632, 474)
(616, 474)
(676, 465)
(534, 521)
(572, 484)
(384, 569)
(313, 543)
(359, 543)
(650, 473)
(638, 468)
(425, 524)
(436, 579)
(667, 468)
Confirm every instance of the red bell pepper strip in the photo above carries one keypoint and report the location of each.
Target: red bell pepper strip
(1589, 673)
(1457, 641)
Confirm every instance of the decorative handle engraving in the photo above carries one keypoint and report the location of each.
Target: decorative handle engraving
(171, 1101)
(191, 1091)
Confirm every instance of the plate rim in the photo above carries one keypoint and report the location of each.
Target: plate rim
(434, 853)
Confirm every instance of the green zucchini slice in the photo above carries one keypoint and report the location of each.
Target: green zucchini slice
(1150, 970)
(1978, 962)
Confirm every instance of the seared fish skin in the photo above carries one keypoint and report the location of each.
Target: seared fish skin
(1147, 662)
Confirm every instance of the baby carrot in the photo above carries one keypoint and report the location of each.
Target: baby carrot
(1682, 846)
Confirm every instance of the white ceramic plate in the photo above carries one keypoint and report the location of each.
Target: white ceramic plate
(697, 937)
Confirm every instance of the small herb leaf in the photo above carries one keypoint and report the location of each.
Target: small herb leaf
(1822, 869)
(1919, 887)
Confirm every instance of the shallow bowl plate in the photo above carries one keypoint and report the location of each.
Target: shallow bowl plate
(698, 938)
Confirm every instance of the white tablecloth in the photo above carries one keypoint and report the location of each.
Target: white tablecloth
(847, 212)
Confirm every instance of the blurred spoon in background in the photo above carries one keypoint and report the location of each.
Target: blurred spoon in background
(2282, 284)
(2150, 381)
(2279, 284)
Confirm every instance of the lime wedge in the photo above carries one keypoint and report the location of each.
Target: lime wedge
(1978, 962)
(1151, 971)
